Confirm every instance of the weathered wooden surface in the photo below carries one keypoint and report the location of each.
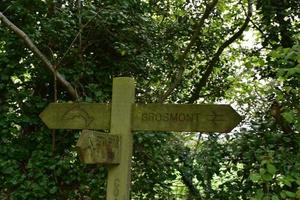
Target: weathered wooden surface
(76, 116)
(95, 147)
(121, 118)
(119, 177)
(184, 117)
(154, 117)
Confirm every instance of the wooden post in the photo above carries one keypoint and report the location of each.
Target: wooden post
(119, 177)
(122, 112)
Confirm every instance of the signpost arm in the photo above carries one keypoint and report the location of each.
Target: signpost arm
(119, 181)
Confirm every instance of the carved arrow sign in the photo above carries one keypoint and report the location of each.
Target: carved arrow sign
(76, 116)
(154, 117)
(185, 117)
(122, 118)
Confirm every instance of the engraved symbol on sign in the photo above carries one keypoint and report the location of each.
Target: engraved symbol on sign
(116, 187)
(76, 112)
(214, 118)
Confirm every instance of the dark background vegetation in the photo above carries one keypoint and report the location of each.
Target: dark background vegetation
(178, 52)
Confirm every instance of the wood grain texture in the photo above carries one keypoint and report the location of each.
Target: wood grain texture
(95, 147)
(185, 117)
(119, 177)
(145, 117)
(76, 116)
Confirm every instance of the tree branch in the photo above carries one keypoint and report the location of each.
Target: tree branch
(178, 77)
(67, 85)
(276, 112)
(186, 173)
(188, 182)
(262, 33)
(210, 65)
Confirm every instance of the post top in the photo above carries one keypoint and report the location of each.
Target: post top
(123, 78)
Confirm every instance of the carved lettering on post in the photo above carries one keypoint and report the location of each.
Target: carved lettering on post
(116, 188)
(119, 177)
(95, 147)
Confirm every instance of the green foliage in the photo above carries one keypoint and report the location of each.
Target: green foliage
(145, 40)
(152, 168)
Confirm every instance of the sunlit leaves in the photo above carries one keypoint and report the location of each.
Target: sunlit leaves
(144, 40)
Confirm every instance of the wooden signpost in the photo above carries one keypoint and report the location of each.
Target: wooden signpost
(154, 117)
(98, 147)
(121, 118)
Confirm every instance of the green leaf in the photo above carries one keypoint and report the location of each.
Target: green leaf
(282, 195)
(288, 116)
(287, 181)
(262, 171)
(298, 58)
(271, 168)
(123, 52)
(267, 177)
(298, 193)
(290, 194)
(255, 177)
(53, 190)
(259, 195)
(275, 197)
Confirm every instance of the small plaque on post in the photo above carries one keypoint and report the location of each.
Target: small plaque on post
(95, 147)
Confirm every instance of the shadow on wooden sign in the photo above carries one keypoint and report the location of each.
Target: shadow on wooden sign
(95, 147)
